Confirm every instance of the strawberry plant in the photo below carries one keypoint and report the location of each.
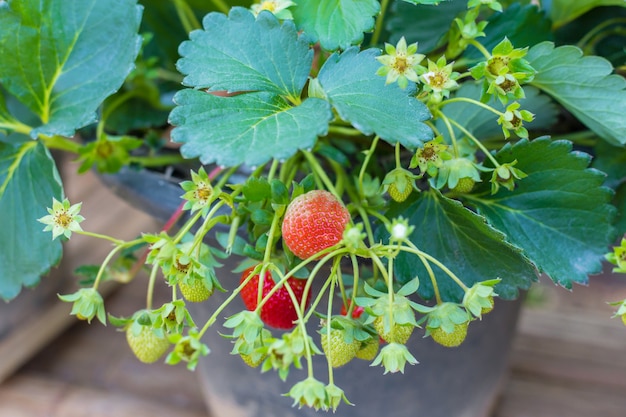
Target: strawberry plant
(384, 168)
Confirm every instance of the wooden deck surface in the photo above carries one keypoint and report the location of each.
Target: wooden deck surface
(567, 361)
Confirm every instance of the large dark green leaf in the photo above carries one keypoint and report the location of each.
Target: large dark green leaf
(584, 85)
(563, 11)
(28, 182)
(465, 243)
(249, 128)
(240, 53)
(361, 97)
(559, 215)
(336, 24)
(425, 24)
(66, 56)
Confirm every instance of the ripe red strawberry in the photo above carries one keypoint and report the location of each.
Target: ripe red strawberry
(278, 311)
(356, 311)
(314, 221)
(147, 346)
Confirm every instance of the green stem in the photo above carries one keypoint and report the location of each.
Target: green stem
(379, 23)
(472, 101)
(319, 172)
(117, 242)
(366, 161)
(433, 280)
(411, 248)
(187, 227)
(480, 47)
(60, 143)
(16, 126)
(478, 143)
(355, 283)
(221, 5)
(329, 313)
(455, 146)
(596, 30)
(106, 261)
(150, 291)
(157, 160)
(186, 16)
(345, 131)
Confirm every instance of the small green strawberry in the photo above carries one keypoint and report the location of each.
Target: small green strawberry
(453, 339)
(337, 349)
(368, 350)
(464, 186)
(194, 290)
(398, 333)
(253, 360)
(400, 184)
(147, 346)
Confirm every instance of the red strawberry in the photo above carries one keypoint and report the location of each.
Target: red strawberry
(314, 221)
(356, 311)
(278, 311)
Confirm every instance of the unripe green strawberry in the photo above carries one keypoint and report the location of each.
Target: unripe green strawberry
(450, 339)
(398, 333)
(464, 186)
(194, 291)
(397, 195)
(369, 350)
(147, 346)
(313, 222)
(486, 310)
(253, 361)
(337, 349)
(624, 319)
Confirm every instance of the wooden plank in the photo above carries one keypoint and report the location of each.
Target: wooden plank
(30, 396)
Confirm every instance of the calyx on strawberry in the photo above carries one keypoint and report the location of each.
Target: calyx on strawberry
(278, 311)
(447, 324)
(313, 222)
(400, 184)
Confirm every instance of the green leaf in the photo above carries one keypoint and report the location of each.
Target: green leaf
(246, 129)
(513, 24)
(465, 243)
(559, 215)
(361, 97)
(240, 53)
(28, 182)
(584, 85)
(66, 57)
(425, 24)
(563, 11)
(336, 24)
(430, 2)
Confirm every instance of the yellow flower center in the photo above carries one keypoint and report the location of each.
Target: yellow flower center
(400, 64)
(203, 192)
(437, 80)
(507, 85)
(268, 5)
(63, 219)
